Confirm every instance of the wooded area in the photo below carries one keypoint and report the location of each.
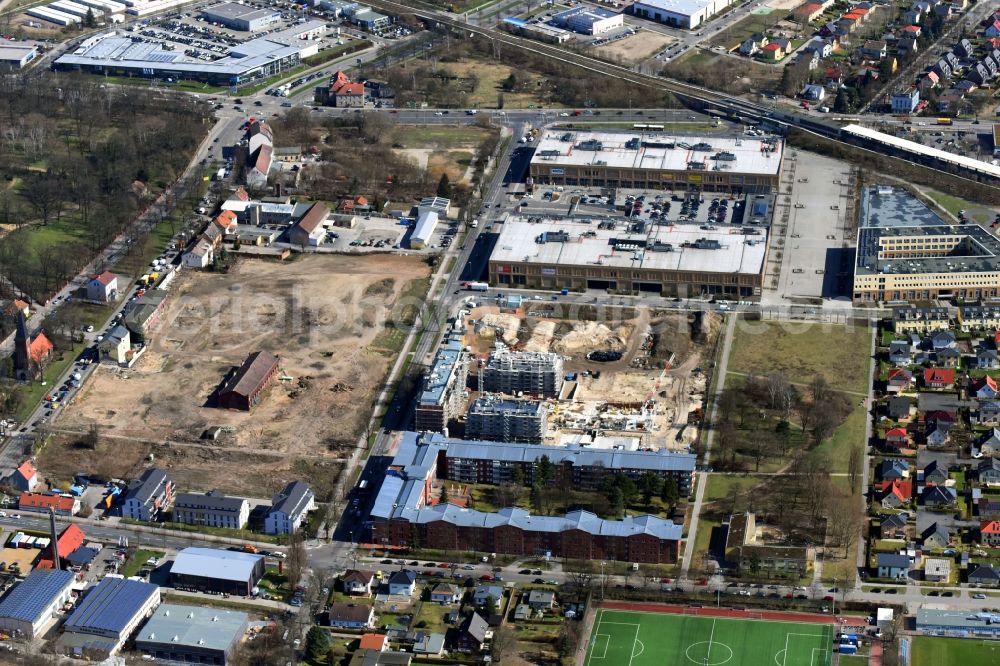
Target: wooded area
(81, 161)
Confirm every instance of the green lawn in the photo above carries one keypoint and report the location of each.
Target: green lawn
(953, 204)
(933, 651)
(138, 561)
(838, 353)
(719, 485)
(853, 660)
(648, 639)
(850, 433)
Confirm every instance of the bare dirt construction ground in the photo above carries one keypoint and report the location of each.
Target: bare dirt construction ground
(323, 316)
(640, 46)
(664, 367)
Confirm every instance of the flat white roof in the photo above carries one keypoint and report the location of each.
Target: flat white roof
(518, 244)
(15, 50)
(685, 7)
(658, 151)
(913, 146)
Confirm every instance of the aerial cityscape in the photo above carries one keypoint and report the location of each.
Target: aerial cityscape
(530, 332)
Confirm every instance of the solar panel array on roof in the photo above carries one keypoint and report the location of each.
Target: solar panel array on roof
(108, 608)
(33, 596)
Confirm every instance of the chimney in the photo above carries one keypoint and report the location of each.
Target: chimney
(55, 539)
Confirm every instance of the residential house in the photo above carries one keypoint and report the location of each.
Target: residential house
(377, 642)
(891, 565)
(873, 49)
(984, 388)
(954, 61)
(978, 317)
(311, 227)
(943, 340)
(522, 613)
(937, 569)
(473, 634)
(983, 575)
(344, 93)
(482, 594)
(893, 470)
(24, 478)
(912, 16)
(833, 78)
(940, 433)
(61, 504)
(986, 359)
(753, 44)
(772, 51)
(431, 645)
(446, 593)
(949, 357)
(933, 474)
(989, 443)
(988, 472)
(900, 379)
(935, 537)
(988, 507)
(899, 408)
(351, 616)
(900, 352)
(103, 288)
(986, 413)
(199, 255)
(402, 583)
(259, 166)
(116, 347)
(358, 583)
(821, 47)
(907, 46)
(964, 48)
(942, 69)
(289, 508)
(905, 100)
(950, 101)
(808, 12)
(16, 307)
(894, 494)
(911, 31)
(148, 496)
(897, 438)
(939, 496)
(929, 81)
(979, 74)
(814, 93)
(540, 600)
(892, 525)
(989, 533)
(939, 378)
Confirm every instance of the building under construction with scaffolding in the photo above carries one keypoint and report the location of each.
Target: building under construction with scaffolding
(442, 395)
(506, 420)
(522, 372)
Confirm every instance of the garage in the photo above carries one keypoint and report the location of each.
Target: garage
(602, 284)
(648, 287)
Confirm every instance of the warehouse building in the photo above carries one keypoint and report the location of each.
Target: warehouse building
(402, 515)
(530, 373)
(289, 508)
(17, 55)
(30, 606)
(221, 571)
(589, 20)
(505, 420)
(958, 623)
(244, 388)
(654, 160)
(679, 13)
(115, 54)
(108, 615)
(191, 634)
(906, 252)
(629, 257)
(442, 395)
(211, 508)
(241, 17)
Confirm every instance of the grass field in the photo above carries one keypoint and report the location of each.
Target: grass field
(650, 639)
(802, 352)
(934, 651)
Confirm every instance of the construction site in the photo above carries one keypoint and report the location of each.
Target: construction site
(328, 322)
(528, 371)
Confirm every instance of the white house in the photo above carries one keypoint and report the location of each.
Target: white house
(288, 508)
(199, 256)
(25, 477)
(103, 287)
(403, 583)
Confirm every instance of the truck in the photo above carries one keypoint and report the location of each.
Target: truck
(474, 224)
(944, 121)
(477, 286)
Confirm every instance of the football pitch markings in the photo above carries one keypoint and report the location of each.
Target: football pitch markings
(621, 638)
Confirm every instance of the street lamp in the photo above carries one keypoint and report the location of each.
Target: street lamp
(602, 580)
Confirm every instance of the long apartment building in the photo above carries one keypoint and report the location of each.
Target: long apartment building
(443, 392)
(505, 420)
(211, 508)
(530, 373)
(404, 516)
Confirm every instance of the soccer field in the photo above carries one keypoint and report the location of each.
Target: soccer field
(623, 638)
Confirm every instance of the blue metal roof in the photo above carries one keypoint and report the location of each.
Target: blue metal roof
(109, 607)
(511, 20)
(29, 600)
